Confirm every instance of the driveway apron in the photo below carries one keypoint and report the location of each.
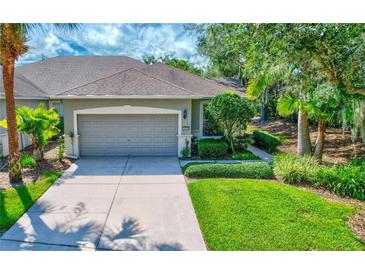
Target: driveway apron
(111, 203)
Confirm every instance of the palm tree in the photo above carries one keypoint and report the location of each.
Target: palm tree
(288, 105)
(13, 38)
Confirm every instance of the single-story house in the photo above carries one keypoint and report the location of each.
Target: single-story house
(116, 105)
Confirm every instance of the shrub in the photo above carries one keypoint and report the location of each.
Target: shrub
(212, 149)
(257, 170)
(241, 142)
(266, 140)
(186, 150)
(244, 155)
(293, 169)
(61, 150)
(344, 180)
(27, 161)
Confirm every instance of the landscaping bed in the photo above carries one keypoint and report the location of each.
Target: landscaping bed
(338, 147)
(50, 163)
(247, 214)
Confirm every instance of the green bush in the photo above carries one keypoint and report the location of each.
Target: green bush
(212, 149)
(27, 161)
(293, 169)
(344, 180)
(266, 140)
(244, 155)
(256, 170)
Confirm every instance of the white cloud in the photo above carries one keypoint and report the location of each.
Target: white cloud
(134, 40)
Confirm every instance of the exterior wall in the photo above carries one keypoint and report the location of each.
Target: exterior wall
(195, 116)
(24, 140)
(72, 106)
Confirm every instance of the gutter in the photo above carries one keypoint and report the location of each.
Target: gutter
(130, 97)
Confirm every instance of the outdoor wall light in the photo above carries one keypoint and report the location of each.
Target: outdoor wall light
(185, 114)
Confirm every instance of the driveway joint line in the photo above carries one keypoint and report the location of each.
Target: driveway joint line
(111, 204)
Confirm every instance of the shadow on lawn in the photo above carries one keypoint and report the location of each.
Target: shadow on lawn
(79, 230)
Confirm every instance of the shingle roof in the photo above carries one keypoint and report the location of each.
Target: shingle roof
(198, 85)
(109, 75)
(128, 82)
(56, 75)
(22, 87)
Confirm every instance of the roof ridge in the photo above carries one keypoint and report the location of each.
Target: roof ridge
(165, 81)
(189, 73)
(17, 74)
(121, 71)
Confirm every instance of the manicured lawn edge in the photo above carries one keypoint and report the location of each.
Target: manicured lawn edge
(247, 214)
(15, 202)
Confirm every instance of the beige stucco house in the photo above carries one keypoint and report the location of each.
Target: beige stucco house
(117, 105)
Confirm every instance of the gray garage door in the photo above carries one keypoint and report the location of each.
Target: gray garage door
(127, 135)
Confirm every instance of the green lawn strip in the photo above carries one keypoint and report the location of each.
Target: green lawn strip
(248, 214)
(14, 202)
(244, 155)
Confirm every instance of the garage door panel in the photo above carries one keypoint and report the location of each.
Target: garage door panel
(127, 134)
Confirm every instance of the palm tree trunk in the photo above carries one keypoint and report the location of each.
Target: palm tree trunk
(15, 172)
(318, 152)
(304, 144)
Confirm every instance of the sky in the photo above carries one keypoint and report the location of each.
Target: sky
(133, 40)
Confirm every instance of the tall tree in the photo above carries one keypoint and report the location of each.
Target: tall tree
(13, 38)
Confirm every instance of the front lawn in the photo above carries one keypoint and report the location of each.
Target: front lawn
(247, 214)
(14, 202)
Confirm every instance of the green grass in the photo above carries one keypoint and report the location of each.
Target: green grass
(14, 202)
(244, 155)
(247, 214)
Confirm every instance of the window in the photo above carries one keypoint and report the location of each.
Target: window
(59, 108)
(209, 127)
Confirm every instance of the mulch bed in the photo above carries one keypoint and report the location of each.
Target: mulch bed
(31, 175)
(338, 146)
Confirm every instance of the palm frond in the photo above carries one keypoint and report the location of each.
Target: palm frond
(288, 105)
(256, 87)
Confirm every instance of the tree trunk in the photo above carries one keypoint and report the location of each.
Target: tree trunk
(264, 106)
(318, 152)
(304, 144)
(15, 172)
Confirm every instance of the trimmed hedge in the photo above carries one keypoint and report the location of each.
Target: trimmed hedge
(244, 155)
(255, 170)
(344, 180)
(266, 140)
(212, 149)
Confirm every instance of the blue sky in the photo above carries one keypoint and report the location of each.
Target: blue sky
(134, 40)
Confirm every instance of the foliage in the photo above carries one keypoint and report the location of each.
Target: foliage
(344, 180)
(246, 214)
(171, 60)
(266, 140)
(185, 152)
(212, 149)
(232, 113)
(293, 169)
(244, 155)
(27, 161)
(61, 150)
(39, 123)
(257, 170)
(241, 142)
(14, 202)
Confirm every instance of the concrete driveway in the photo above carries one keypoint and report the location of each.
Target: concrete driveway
(111, 203)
